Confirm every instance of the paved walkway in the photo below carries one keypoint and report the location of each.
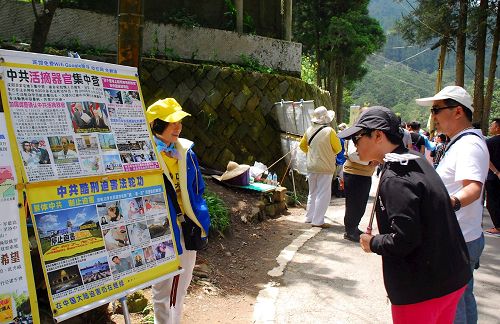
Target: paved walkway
(322, 278)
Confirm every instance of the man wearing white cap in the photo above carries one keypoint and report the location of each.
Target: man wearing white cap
(321, 144)
(463, 170)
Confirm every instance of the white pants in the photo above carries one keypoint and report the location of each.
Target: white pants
(161, 292)
(320, 193)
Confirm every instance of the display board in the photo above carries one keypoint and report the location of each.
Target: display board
(17, 291)
(74, 118)
(93, 182)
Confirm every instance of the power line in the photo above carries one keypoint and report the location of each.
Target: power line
(435, 31)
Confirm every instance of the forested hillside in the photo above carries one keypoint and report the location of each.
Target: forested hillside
(400, 73)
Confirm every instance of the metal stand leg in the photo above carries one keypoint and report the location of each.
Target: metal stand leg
(126, 314)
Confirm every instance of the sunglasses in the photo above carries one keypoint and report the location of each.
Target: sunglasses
(436, 109)
(355, 138)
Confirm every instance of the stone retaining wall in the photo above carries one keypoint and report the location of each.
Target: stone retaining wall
(232, 110)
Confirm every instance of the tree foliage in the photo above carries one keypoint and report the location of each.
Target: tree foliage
(431, 20)
(339, 35)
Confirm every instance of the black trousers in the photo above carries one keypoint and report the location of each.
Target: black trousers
(493, 200)
(357, 190)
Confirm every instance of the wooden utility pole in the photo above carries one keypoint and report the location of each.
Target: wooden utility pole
(239, 16)
(130, 28)
(288, 20)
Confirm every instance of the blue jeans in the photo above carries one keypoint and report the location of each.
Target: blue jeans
(467, 308)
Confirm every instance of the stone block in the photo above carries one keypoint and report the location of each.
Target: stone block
(214, 98)
(197, 95)
(229, 130)
(190, 82)
(252, 103)
(226, 156)
(160, 72)
(242, 131)
(279, 194)
(201, 134)
(206, 85)
(168, 85)
(213, 73)
(225, 72)
(181, 93)
(240, 101)
(228, 100)
(236, 114)
(262, 82)
(283, 87)
(222, 86)
(182, 73)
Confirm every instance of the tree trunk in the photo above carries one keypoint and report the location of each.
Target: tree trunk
(461, 43)
(480, 60)
(332, 78)
(43, 20)
(491, 75)
(340, 93)
(441, 61)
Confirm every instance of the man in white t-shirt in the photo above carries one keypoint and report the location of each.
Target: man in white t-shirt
(463, 170)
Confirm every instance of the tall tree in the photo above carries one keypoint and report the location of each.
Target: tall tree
(461, 43)
(480, 60)
(340, 35)
(43, 20)
(491, 72)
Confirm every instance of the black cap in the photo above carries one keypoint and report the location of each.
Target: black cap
(35, 141)
(377, 117)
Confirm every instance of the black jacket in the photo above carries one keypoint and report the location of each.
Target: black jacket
(423, 250)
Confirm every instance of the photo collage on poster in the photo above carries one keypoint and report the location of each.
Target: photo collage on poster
(88, 246)
(87, 125)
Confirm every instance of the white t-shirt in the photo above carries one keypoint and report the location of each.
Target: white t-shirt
(467, 159)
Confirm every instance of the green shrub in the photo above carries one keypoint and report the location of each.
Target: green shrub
(219, 213)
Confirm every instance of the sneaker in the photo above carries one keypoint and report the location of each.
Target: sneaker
(354, 237)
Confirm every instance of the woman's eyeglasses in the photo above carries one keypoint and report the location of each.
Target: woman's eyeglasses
(436, 109)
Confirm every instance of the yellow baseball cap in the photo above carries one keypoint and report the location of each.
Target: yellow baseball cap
(167, 109)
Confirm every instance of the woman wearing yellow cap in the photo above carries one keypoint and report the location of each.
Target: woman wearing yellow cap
(181, 170)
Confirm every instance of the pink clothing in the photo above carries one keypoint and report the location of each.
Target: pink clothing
(439, 310)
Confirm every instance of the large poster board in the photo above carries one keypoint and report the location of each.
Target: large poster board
(101, 237)
(74, 118)
(17, 292)
(93, 182)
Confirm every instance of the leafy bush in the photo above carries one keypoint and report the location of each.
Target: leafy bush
(219, 213)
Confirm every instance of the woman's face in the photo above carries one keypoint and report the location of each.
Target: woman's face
(171, 133)
(112, 213)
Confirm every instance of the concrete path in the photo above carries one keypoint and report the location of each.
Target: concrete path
(322, 278)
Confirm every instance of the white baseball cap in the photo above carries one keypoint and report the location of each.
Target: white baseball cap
(450, 92)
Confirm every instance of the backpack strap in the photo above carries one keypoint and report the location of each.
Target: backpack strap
(459, 137)
(314, 135)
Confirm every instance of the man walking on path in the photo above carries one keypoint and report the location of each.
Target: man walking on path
(493, 179)
(321, 144)
(463, 169)
(357, 184)
(425, 260)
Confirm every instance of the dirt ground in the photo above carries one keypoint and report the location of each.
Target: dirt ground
(236, 264)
